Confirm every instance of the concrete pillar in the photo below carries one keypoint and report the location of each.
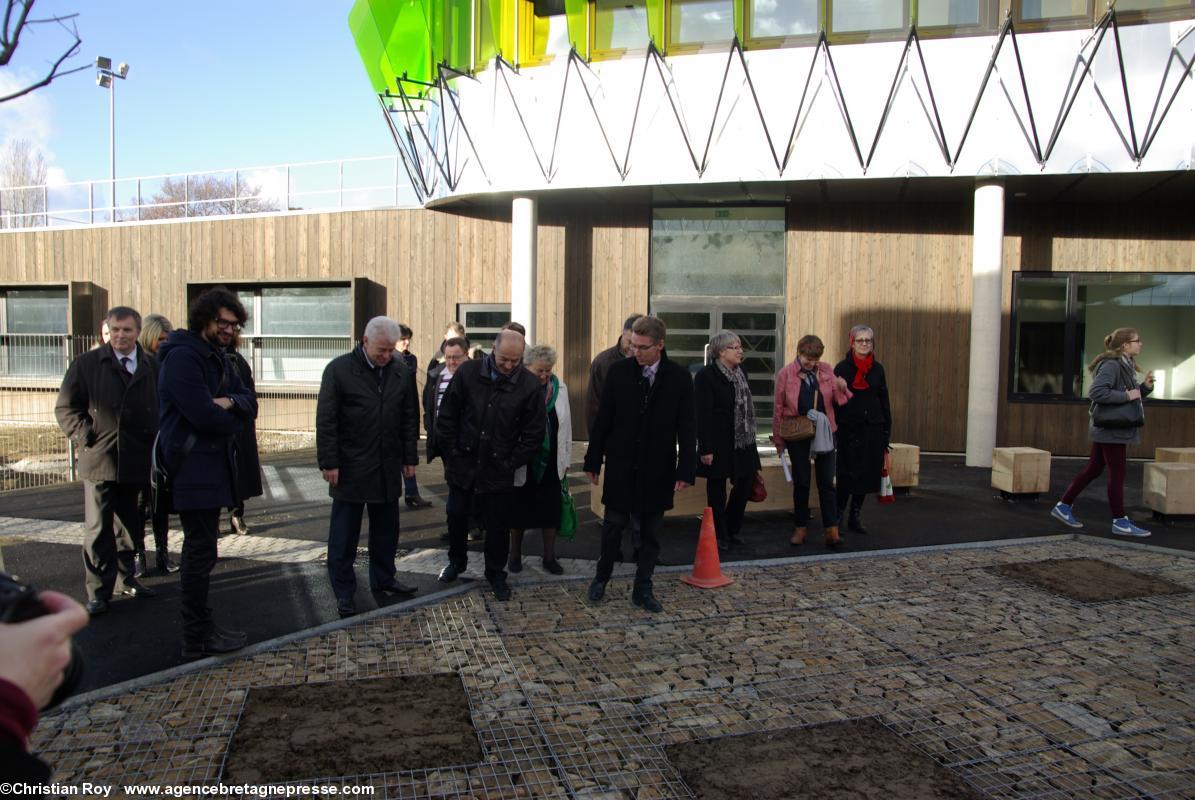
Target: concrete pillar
(987, 282)
(524, 216)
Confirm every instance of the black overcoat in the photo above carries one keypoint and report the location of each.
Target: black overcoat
(248, 461)
(713, 395)
(111, 416)
(864, 429)
(368, 432)
(430, 412)
(646, 444)
(486, 428)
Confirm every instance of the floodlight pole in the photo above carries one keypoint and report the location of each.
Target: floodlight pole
(104, 71)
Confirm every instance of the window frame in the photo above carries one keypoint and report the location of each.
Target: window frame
(775, 42)
(613, 53)
(688, 48)
(462, 313)
(989, 23)
(1078, 22)
(1146, 16)
(870, 35)
(1070, 371)
(526, 36)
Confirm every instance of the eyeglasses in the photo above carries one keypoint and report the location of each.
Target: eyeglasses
(1133, 341)
(643, 348)
(227, 324)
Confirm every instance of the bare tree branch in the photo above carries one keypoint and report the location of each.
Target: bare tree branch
(10, 38)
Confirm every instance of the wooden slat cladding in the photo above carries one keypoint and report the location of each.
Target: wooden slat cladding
(1092, 238)
(905, 271)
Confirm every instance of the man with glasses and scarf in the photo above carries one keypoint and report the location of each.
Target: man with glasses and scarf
(204, 404)
(490, 423)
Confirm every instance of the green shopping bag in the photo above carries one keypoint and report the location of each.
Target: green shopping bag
(568, 513)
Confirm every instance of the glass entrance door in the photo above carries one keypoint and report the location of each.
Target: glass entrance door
(759, 328)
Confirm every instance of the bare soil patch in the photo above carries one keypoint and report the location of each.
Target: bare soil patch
(319, 730)
(858, 760)
(1087, 580)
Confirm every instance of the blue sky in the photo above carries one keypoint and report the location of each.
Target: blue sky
(212, 84)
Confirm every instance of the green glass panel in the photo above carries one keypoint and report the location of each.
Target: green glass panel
(489, 21)
(371, 46)
(578, 25)
(408, 45)
(451, 31)
(655, 21)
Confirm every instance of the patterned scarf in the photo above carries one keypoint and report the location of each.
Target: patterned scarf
(542, 457)
(744, 409)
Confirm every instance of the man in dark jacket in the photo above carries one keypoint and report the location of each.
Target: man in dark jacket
(645, 433)
(366, 438)
(491, 422)
(108, 406)
(455, 353)
(204, 406)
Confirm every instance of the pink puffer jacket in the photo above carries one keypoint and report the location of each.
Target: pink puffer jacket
(788, 392)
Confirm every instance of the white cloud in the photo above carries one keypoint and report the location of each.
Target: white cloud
(56, 176)
(27, 117)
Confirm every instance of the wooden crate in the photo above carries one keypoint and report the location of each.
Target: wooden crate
(1169, 487)
(1020, 470)
(691, 502)
(1182, 455)
(905, 465)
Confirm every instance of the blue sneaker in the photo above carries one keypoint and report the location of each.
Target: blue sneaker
(1062, 512)
(1123, 526)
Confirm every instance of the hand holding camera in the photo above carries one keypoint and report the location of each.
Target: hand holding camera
(36, 652)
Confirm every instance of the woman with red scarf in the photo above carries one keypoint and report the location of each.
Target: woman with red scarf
(864, 426)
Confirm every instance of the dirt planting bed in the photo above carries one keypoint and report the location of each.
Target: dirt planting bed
(858, 760)
(357, 727)
(1088, 580)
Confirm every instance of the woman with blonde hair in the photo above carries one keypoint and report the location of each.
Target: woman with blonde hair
(154, 330)
(1117, 415)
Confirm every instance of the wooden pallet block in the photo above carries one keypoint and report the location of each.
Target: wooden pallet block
(1181, 455)
(905, 465)
(1169, 487)
(1021, 470)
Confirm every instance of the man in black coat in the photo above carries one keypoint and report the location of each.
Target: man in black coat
(108, 406)
(403, 351)
(491, 422)
(204, 405)
(601, 364)
(645, 433)
(455, 353)
(366, 438)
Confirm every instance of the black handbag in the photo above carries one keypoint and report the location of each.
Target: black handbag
(1118, 415)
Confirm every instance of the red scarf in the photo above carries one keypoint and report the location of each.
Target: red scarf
(862, 367)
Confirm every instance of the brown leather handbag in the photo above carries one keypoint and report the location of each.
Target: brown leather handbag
(799, 429)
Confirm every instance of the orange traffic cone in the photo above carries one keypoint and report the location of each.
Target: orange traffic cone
(707, 569)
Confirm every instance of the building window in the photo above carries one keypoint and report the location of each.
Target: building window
(695, 23)
(482, 321)
(33, 329)
(770, 23)
(294, 331)
(863, 17)
(1060, 321)
(717, 252)
(1153, 10)
(1041, 14)
(618, 26)
(543, 31)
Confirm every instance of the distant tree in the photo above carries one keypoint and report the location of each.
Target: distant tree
(16, 21)
(21, 165)
(205, 196)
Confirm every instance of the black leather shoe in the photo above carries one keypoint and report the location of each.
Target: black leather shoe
(415, 501)
(514, 565)
(96, 607)
(139, 564)
(212, 645)
(647, 601)
(450, 573)
(597, 590)
(227, 633)
(398, 587)
(165, 565)
(345, 607)
(553, 567)
(501, 590)
(134, 588)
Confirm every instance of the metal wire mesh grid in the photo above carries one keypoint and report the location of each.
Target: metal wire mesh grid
(1083, 706)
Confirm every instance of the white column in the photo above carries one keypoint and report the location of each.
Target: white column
(524, 214)
(987, 281)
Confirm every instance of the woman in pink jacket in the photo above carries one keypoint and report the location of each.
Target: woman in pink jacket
(807, 384)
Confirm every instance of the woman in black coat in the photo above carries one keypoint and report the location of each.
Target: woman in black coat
(726, 446)
(248, 462)
(864, 425)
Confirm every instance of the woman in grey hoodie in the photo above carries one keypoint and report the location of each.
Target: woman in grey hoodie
(1114, 383)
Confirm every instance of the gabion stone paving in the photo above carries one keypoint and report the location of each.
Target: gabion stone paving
(1016, 691)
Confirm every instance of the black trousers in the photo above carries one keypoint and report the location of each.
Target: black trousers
(728, 513)
(159, 520)
(493, 510)
(344, 532)
(823, 466)
(111, 520)
(613, 525)
(200, 530)
(856, 501)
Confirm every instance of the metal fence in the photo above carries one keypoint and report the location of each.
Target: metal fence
(378, 182)
(34, 451)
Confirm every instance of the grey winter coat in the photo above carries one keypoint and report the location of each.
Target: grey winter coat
(1110, 386)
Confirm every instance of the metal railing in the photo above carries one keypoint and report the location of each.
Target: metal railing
(358, 183)
(34, 452)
